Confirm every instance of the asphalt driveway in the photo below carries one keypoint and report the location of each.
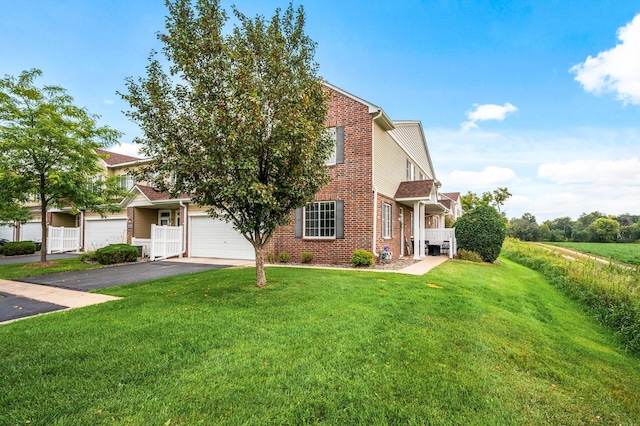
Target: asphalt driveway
(14, 307)
(8, 260)
(93, 279)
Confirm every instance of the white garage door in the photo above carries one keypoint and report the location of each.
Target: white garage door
(102, 232)
(31, 231)
(6, 232)
(216, 238)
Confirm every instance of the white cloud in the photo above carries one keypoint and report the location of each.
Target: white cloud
(490, 177)
(593, 172)
(487, 112)
(108, 101)
(615, 70)
(126, 149)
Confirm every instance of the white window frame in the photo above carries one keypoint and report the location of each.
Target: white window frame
(126, 181)
(386, 221)
(333, 159)
(411, 170)
(411, 222)
(321, 223)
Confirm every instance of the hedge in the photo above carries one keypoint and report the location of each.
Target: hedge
(116, 253)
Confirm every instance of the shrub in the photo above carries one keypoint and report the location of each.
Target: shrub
(271, 257)
(481, 230)
(284, 257)
(470, 256)
(88, 257)
(19, 247)
(116, 253)
(307, 257)
(362, 258)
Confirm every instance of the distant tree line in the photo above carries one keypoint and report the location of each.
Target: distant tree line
(589, 227)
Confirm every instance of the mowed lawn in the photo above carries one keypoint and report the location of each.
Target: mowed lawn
(463, 344)
(619, 252)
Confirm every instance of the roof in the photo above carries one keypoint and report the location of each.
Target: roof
(113, 158)
(153, 194)
(445, 202)
(414, 189)
(455, 196)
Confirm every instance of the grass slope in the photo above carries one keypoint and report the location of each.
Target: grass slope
(625, 253)
(464, 344)
(30, 269)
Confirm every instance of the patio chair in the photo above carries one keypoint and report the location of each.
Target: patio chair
(445, 247)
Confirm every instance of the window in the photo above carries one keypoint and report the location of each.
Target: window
(411, 222)
(320, 220)
(410, 170)
(126, 181)
(334, 135)
(421, 176)
(386, 220)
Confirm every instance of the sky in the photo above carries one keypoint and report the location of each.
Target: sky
(540, 96)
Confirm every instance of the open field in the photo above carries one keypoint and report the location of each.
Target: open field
(463, 344)
(624, 253)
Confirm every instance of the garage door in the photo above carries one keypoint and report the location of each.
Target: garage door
(216, 238)
(6, 232)
(102, 232)
(31, 231)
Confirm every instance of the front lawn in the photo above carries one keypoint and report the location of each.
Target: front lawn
(620, 252)
(463, 344)
(22, 270)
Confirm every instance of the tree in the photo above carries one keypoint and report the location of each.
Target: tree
(481, 230)
(496, 199)
(48, 151)
(239, 121)
(526, 228)
(606, 229)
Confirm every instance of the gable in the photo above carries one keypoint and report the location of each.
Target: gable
(410, 137)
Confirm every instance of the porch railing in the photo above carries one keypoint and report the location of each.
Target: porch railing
(442, 237)
(166, 241)
(63, 239)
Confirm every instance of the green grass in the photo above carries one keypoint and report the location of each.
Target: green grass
(464, 344)
(22, 270)
(624, 253)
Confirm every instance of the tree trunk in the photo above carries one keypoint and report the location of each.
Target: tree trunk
(43, 223)
(261, 279)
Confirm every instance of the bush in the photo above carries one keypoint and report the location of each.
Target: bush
(362, 258)
(470, 256)
(271, 258)
(307, 257)
(284, 257)
(88, 257)
(19, 247)
(116, 253)
(481, 230)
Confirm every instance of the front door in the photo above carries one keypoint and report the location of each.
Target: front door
(164, 217)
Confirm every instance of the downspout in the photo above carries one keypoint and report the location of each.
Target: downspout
(184, 228)
(375, 188)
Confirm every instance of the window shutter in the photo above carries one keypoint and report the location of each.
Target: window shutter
(298, 223)
(340, 145)
(340, 219)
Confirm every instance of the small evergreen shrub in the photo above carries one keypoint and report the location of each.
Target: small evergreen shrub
(362, 258)
(116, 253)
(481, 230)
(88, 257)
(16, 248)
(307, 257)
(470, 256)
(284, 257)
(271, 258)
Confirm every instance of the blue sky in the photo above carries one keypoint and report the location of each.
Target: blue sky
(542, 97)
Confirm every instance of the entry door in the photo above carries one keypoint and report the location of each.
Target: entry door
(164, 217)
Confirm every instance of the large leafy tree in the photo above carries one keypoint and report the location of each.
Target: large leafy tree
(48, 152)
(239, 120)
(495, 198)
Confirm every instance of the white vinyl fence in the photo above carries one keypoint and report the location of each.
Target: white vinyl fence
(444, 237)
(63, 239)
(166, 241)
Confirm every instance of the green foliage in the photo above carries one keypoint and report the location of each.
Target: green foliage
(362, 258)
(307, 257)
(481, 230)
(526, 228)
(606, 229)
(48, 150)
(240, 119)
(470, 256)
(88, 257)
(611, 292)
(16, 248)
(116, 253)
(271, 257)
(284, 257)
(496, 198)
